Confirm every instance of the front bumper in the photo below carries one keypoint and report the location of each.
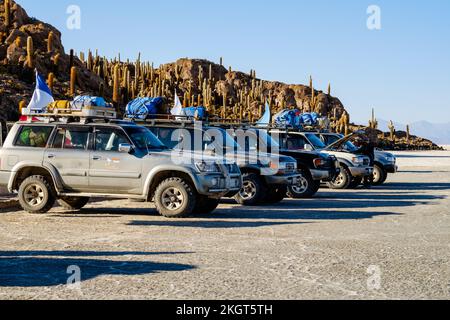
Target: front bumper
(217, 186)
(325, 174)
(361, 171)
(391, 168)
(287, 180)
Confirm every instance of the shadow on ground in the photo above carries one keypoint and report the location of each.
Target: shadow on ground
(50, 268)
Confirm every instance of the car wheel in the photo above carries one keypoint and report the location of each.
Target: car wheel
(36, 195)
(342, 181)
(356, 182)
(306, 187)
(379, 175)
(205, 205)
(175, 198)
(253, 190)
(73, 203)
(276, 194)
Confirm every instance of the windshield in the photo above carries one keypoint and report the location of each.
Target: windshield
(220, 139)
(255, 140)
(349, 146)
(144, 139)
(315, 141)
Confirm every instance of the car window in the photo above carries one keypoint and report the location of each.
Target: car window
(165, 135)
(71, 138)
(108, 139)
(33, 136)
(296, 143)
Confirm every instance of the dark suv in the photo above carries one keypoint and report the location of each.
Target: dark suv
(314, 167)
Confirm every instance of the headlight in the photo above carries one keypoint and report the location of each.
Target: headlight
(390, 159)
(319, 162)
(359, 161)
(284, 167)
(207, 167)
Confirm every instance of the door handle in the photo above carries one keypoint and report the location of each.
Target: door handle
(96, 158)
(51, 156)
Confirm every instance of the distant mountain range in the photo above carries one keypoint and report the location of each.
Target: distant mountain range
(439, 133)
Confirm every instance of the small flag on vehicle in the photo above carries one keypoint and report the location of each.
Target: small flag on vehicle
(41, 98)
(177, 109)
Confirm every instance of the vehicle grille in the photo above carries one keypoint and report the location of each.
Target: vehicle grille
(290, 168)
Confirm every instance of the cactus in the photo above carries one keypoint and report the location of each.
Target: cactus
(71, 58)
(392, 130)
(408, 134)
(329, 89)
(73, 79)
(22, 105)
(373, 123)
(116, 89)
(30, 53)
(50, 40)
(7, 13)
(51, 81)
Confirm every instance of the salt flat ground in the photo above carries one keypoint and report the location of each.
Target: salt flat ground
(390, 242)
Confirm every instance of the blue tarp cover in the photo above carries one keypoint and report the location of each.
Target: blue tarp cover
(143, 108)
(80, 102)
(198, 112)
(294, 118)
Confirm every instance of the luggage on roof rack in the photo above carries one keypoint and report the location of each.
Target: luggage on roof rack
(83, 107)
(144, 108)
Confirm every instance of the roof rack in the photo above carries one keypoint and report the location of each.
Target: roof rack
(85, 115)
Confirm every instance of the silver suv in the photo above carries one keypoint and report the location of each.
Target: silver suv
(72, 162)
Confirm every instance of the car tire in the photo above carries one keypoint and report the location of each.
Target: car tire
(305, 189)
(379, 175)
(73, 203)
(175, 198)
(36, 195)
(253, 190)
(205, 205)
(276, 195)
(342, 181)
(356, 182)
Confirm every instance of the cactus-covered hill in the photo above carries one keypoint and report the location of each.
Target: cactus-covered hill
(27, 44)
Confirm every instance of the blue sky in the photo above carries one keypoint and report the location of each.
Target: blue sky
(402, 70)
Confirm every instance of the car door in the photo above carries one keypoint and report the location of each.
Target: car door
(68, 153)
(112, 171)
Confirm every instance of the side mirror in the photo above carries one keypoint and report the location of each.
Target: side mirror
(309, 147)
(125, 148)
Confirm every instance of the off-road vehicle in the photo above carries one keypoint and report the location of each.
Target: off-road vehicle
(352, 166)
(385, 162)
(72, 162)
(266, 177)
(313, 167)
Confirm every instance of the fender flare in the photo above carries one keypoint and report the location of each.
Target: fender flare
(168, 168)
(53, 172)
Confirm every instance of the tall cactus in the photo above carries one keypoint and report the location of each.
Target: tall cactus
(408, 134)
(116, 89)
(50, 40)
(30, 53)
(7, 13)
(73, 79)
(392, 130)
(51, 81)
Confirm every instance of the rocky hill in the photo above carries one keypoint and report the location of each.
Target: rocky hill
(27, 44)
